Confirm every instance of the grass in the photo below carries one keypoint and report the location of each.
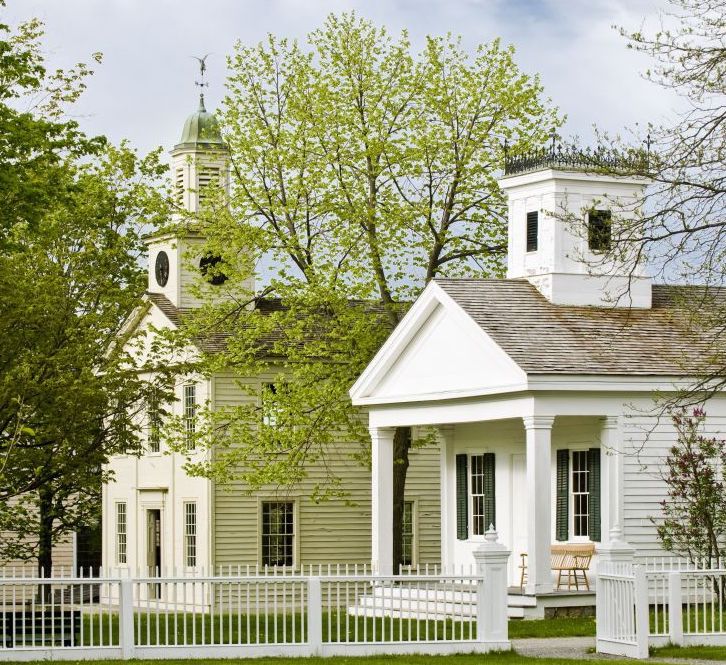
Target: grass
(499, 658)
(561, 627)
(705, 653)
(179, 628)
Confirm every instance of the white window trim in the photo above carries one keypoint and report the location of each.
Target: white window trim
(572, 538)
(470, 495)
(414, 530)
(190, 425)
(185, 535)
(149, 424)
(117, 533)
(295, 530)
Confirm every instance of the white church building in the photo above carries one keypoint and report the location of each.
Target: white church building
(541, 385)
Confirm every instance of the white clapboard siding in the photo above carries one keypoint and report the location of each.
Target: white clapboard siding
(647, 442)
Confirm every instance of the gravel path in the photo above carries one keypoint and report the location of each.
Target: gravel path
(581, 648)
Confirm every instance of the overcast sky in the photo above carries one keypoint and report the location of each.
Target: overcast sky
(145, 87)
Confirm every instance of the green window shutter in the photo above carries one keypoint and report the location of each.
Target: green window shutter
(490, 503)
(562, 521)
(462, 498)
(593, 507)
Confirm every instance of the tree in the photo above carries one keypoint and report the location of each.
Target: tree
(680, 228)
(72, 211)
(360, 172)
(694, 523)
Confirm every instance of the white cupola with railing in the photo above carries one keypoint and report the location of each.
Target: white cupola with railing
(563, 217)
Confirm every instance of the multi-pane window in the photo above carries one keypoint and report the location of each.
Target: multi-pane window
(599, 230)
(121, 533)
(478, 497)
(154, 423)
(190, 534)
(278, 533)
(580, 493)
(407, 535)
(532, 230)
(190, 414)
(270, 409)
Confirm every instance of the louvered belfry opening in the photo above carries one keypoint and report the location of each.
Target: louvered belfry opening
(532, 230)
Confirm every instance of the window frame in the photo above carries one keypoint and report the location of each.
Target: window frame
(472, 495)
(269, 418)
(153, 425)
(605, 217)
(531, 248)
(293, 535)
(572, 493)
(190, 537)
(189, 415)
(413, 503)
(121, 539)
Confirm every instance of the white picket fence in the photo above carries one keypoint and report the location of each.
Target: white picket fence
(659, 602)
(250, 615)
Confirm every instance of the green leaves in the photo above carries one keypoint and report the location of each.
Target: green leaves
(72, 213)
(361, 170)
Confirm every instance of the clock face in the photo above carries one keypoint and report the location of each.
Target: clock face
(161, 269)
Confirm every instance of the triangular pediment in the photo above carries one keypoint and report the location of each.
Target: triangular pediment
(437, 352)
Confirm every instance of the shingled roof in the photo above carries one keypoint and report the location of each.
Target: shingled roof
(543, 338)
(216, 342)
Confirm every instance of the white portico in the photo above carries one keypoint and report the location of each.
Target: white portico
(534, 383)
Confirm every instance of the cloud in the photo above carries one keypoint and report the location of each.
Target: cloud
(145, 88)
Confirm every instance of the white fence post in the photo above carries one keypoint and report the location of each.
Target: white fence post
(675, 608)
(126, 618)
(642, 626)
(315, 616)
(491, 593)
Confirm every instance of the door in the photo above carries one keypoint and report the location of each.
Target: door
(153, 548)
(518, 505)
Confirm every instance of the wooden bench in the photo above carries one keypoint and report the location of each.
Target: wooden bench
(570, 558)
(43, 627)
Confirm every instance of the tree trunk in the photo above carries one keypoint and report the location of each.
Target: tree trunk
(45, 532)
(401, 446)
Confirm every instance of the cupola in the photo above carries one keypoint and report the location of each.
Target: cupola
(199, 159)
(562, 210)
(179, 268)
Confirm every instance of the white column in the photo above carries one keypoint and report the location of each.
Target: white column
(447, 481)
(611, 454)
(539, 503)
(382, 499)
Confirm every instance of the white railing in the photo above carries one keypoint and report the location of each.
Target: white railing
(241, 615)
(659, 602)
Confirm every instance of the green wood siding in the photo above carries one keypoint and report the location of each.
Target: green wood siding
(334, 531)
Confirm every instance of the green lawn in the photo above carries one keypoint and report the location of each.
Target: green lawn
(705, 653)
(502, 658)
(171, 629)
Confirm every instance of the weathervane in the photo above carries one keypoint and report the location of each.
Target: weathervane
(202, 70)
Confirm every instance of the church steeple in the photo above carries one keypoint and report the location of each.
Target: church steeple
(179, 268)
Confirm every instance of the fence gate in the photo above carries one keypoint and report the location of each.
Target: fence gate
(622, 610)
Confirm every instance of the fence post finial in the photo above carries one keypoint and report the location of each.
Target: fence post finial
(491, 590)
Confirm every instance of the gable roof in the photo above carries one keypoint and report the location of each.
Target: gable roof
(543, 338)
(216, 342)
